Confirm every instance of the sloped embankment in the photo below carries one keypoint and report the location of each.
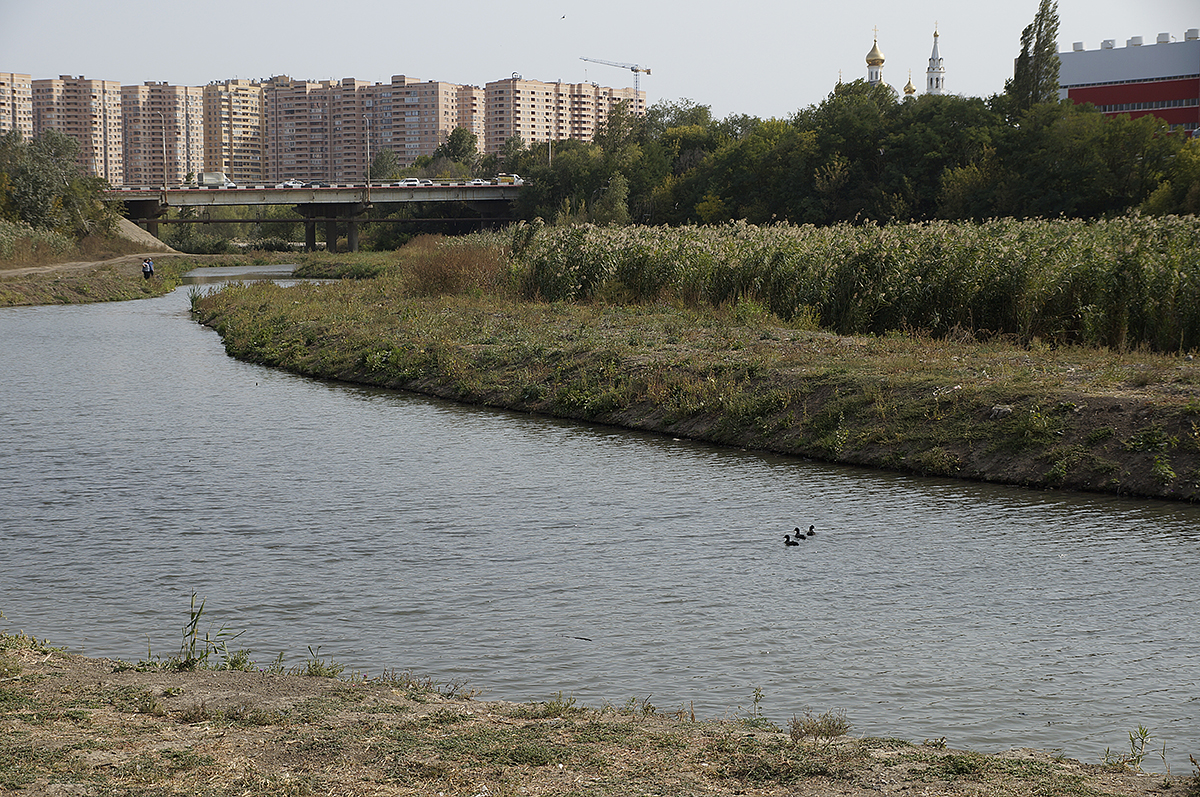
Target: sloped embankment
(1038, 416)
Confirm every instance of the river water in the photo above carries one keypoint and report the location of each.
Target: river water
(527, 556)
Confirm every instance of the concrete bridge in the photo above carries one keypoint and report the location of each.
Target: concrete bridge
(331, 204)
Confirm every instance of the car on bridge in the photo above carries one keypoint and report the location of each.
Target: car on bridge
(291, 184)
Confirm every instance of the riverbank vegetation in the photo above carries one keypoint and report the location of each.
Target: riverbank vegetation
(47, 204)
(721, 335)
(88, 726)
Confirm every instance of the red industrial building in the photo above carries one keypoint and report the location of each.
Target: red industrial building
(1162, 79)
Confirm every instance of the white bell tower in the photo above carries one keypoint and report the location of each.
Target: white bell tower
(935, 76)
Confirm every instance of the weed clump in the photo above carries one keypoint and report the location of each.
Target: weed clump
(825, 726)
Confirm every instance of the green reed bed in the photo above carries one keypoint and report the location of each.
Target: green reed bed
(1121, 283)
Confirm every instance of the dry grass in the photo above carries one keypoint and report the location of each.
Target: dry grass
(86, 726)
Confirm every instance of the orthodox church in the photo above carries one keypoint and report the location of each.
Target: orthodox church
(935, 75)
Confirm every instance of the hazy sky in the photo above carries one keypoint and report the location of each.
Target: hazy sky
(766, 59)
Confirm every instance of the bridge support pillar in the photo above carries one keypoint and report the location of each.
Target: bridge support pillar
(310, 235)
(352, 234)
(330, 235)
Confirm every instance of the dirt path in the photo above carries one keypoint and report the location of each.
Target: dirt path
(120, 262)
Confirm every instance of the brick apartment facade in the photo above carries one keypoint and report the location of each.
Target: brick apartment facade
(90, 112)
(235, 130)
(163, 133)
(16, 103)
(538, 112)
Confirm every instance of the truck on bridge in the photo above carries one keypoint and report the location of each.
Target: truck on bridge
(215, 180)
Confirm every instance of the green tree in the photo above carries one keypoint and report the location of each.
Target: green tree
(1064, 160)
(461, 146)
(1035, 74)
(760, 178)
(666, 114)
(1179, 192)
(42, 185)
(928, 136)
(850, 125)
(612, 204)
(385, 165)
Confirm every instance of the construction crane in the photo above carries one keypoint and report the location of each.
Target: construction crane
(637, 83)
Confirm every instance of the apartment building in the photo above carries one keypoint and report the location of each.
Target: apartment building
(331, 130)
(163, 133)
(349, 101)
(16, 103)
(1162, 79)
(235, 130)
(297, 129)
(315, 130)
(472, 111)
(90, 112)
(536, 111)
(413, 117)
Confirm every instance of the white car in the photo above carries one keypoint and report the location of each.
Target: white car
(408, 182)
(291, 184)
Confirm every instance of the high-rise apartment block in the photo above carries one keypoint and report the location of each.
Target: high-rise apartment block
(538, 112)
(235, 130)
(163, 133)
(331, 130)
(16, 103)
(347, 137)
(297, 125)
(422, 114)
(90, 112)
(472, 112)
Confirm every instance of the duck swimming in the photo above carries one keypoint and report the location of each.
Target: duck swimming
(787, 540)
(811, 531)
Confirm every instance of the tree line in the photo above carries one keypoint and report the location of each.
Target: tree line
(864, 154)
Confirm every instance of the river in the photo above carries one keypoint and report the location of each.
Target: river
(526, 556)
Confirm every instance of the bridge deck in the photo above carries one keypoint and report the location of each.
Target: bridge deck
(333, 195)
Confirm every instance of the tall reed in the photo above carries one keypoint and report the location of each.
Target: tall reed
(1124, 282)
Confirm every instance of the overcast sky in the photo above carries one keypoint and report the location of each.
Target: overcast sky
(765, 59)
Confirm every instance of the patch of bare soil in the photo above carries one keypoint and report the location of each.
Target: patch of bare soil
(79, 726)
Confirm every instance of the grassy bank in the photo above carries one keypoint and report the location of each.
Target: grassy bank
(449, 323)
(70, 724)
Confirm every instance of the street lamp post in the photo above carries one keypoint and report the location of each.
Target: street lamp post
(367, 116)
(163, 131)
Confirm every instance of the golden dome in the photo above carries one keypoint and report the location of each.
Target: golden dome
(875, 57)
(909, 88)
